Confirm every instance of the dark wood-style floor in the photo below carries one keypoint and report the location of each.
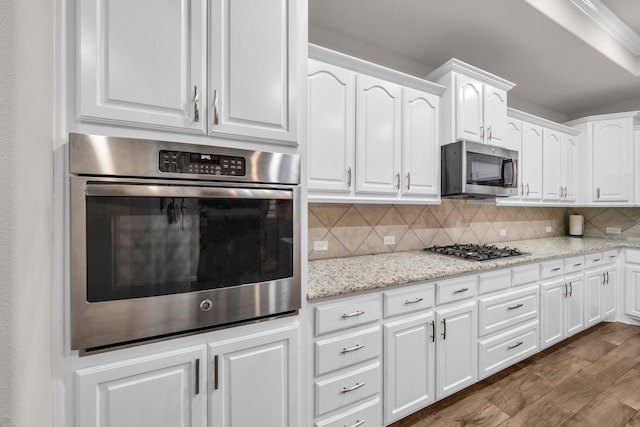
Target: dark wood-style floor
(592, 379)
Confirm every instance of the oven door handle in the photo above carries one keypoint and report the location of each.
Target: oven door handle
(150, 190)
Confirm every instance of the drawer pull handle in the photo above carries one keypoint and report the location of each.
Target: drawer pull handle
(358, 423)
(515, 306)
(354, 348)
(355, 387)
(556, 269)
(612, 256)
(596, 260)
(459, 291)
(577, 265)
(413, 301)
(518, 344)
(354, 314)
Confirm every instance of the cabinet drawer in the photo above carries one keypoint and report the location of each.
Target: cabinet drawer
(505, 310)
(346, 350)
(573, 264)
(551, 268)
(633, 256)
(610, 257)
(499, 352)
(409, 300)
(592, 260)
(364, 415)
(456, 289)
(525, 274)
(494, 281)
(343, 390)
(347, 314)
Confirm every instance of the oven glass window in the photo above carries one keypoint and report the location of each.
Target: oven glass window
(484, 169)
(150, 246)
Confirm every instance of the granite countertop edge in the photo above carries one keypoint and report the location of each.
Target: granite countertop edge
(343, 276)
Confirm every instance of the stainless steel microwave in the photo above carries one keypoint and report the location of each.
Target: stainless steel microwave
(478, 171)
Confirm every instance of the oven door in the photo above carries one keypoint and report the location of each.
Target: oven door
(149, 260)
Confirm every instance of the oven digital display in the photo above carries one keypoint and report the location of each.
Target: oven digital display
(201, 163)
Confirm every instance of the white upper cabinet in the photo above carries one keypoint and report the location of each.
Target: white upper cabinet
(420, 145)
(531, 162)
(378, 136)
(220, 68)
(605, 158)
(252, 70)
(474, 105)
(331, 127)
(141, 62)
(551, 152)
(568, 170)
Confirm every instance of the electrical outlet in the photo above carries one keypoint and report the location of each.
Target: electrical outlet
(389, 240)
(503, 232)
(320, 245)
(613, 230)
(549, 229)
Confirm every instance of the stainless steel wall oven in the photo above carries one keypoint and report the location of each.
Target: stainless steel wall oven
(168, 238)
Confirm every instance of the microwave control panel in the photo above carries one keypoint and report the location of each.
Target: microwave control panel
(201, 163)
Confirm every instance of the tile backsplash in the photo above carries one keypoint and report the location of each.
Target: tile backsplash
(597, 220)
(359, 229)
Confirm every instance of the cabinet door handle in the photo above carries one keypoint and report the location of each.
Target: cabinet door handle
(518, 344)
(598, 193)
(215, 372)
(490, 133)
(570, 289)
(604, 278)
(607, 277)
(408, 181)
(459, 291)
(354, 348)
(398, 181)
(522, 188)
(413, 301)
(349, 177)
(357, 424)
(515, 307)
(197, 376)
(481, 132)
(566, 290)
(433, 331)
(216, 119)
(355, 387)
(565, 192)
(527, 188)
(196, 104)
(354, 314)
(560, 193)
(444, 329)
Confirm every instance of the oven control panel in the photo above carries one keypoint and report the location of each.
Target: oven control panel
(201, 163)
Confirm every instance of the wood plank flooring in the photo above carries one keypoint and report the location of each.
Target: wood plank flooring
(591, 379)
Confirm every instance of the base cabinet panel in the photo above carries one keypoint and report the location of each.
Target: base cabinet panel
(609, 292)
(505, 349)
(166, 390)
(632, 290)
(551, 312)
(409, 380)
(254, 380)
(367, 414)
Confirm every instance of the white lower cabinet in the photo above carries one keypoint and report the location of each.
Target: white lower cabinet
(163, 390)
(593, 281)
(609, 291)
(507, 348)
(561, 308)
(456, 349)
(632, 284)
(409, 351)
(254, 380)
(367, 414)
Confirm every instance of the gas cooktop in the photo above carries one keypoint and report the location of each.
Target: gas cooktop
(476, 252)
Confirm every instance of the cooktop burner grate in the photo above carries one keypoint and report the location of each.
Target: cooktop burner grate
(476, 252)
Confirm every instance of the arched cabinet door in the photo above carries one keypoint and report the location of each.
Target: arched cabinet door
(551, 152)
(531, 162)
(469, 114)
(612, 174)
(495, 116)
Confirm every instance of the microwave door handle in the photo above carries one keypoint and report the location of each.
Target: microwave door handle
(514, 175)
(151, 190)
(504, 167)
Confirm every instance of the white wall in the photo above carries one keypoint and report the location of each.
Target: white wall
(26, 160)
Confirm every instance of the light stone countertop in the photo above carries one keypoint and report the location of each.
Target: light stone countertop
(341, 276)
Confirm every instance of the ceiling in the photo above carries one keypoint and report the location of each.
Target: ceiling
(564, 64)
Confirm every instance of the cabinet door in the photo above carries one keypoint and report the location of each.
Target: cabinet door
(495, 115)
(420, 144)
(141, 63)
(254, 381)
(469, 105)
(513, 136)
(552, 296)
(331, 128)
(632, 290)
(165, 390)
(409, 365)
(612, 172)
(593, 297)
(551, 152)
(378, 136)
(568, 177)
(456, 349)
(574, 305)
(609, 292)
(252, 74)
(531, 161)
